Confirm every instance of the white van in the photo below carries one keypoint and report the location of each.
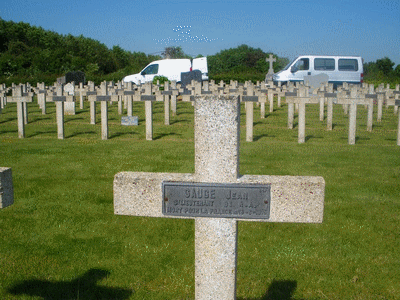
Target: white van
(338, 68)
(170, 68)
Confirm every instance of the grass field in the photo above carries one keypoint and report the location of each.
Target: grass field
(61, 240)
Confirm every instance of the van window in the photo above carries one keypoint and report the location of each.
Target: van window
(324, 64)
(302, 64)
(346, 64)
(150, 70)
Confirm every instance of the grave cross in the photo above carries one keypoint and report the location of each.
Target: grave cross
(59, 99)
(6, 187)
(271, 61)
(103, 98)
(41, 96)
(21, 98)
(302, 97)
(216, 196)
(397, 103)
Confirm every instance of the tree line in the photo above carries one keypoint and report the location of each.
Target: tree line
(33, 54)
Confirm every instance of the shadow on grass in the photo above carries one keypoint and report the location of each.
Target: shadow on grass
(72, 119)
(258, 137)
(42, 132)
(173, 122)
(83, 287)
(9, 131)
(356, 139)
(8, 120)
(309, 137)
(161, 135)
(391, 140)
(38, 119)
(278, 290)
(81, 133)
(118, 134)
(78, 112)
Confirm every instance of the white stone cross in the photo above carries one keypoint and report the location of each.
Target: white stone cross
(216, 189)
(59, 99)
(21, 98)
(6, 187)
(271, 61)
(103, 98)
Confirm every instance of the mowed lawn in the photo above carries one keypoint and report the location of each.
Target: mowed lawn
(61, 240)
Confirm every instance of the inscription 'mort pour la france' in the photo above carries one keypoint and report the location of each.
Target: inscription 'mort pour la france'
(246, 201)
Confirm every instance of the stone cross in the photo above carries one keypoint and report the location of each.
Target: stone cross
(167, 93)
(249, 100)
(217, 197)
(271, 61)
(59, 99)
(302, 97)
(82, 93)
(148, 99)
(103, 98)
(6, 187)
(92, 108)
(41, 96)
(21, 98)
(397, 103)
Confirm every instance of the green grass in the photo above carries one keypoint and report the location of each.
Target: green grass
(61, 240)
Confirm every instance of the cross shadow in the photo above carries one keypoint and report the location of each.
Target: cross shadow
(118, 134)
(38, 119)
(161, 135)
(80, 133)
(78, 112)
(8, 120)
(9, 131)
(172, 122)
(308, 137)
(84, 287)
(278, 290)
(41, 132)
(258, 137)
(72, 119)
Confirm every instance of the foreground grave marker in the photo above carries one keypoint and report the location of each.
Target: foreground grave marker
(397, 103)
(216, 196)
(6, 187)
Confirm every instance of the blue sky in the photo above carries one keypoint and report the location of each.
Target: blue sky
(287, 28)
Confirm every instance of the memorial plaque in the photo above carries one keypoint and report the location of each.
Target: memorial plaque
(249, 98)
(148, 97)
(130, 121)
(59, 98)
(103, 98)
(213, 200)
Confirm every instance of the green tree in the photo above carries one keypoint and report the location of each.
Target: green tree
(385, 65)
(120, 56)
(397, 71)
(174, 52)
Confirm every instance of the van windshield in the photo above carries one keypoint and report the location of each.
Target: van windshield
(288, 65)
(150, 70)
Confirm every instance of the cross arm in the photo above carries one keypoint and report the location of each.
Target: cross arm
(298, 199)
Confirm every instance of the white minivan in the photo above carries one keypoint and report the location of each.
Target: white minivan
(338, 68)
(170, 68)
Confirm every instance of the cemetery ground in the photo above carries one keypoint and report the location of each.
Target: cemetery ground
(61, 240)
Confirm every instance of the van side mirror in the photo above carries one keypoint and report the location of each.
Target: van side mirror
(293, 69)
(143, 73)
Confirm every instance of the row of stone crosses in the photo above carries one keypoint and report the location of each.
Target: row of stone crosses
(216, 196)
(297, 95)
